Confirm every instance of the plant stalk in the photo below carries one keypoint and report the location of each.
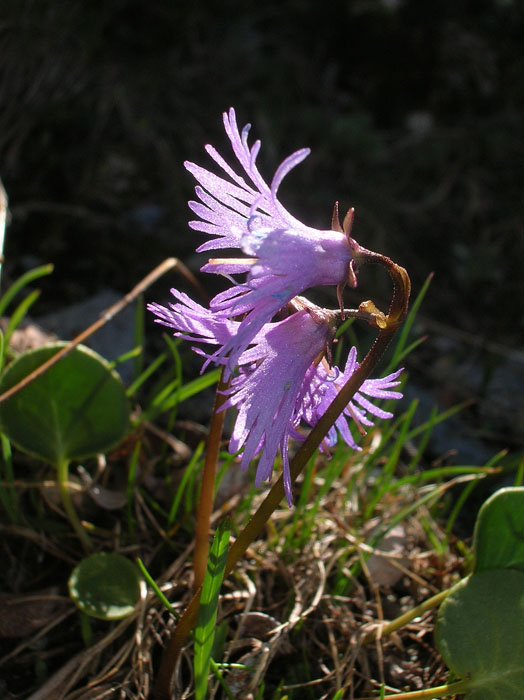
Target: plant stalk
(397, 312)
(207, 488)
(402, 620)
(67, 502)
(441, 691)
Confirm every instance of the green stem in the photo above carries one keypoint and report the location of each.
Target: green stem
(207, 488)
(440, 691)
(63, 488)
(402, 620)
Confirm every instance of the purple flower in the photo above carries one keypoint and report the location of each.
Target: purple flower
(281, 380)
(285, 256)
(322, 385)
(269, 383)
(275, 339)
(227, 205)
(269, 387)
(192, 321)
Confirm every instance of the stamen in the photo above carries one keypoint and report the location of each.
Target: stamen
(232, 261)
(357, 422)
(325, 445)
(319, 358)
(350, 410)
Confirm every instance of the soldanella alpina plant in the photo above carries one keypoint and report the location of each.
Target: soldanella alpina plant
(273, 344)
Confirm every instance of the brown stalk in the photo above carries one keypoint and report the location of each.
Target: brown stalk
(207, 488)
(397, 312)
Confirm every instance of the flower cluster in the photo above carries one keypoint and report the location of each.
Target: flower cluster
(271, 342)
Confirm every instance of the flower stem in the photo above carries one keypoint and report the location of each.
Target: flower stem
(402, 620)
(441, 691)
(65, 494)
(207, 488)
(258, 520)
(397, 312)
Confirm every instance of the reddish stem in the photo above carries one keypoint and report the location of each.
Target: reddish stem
(207, 488)
(397, 312)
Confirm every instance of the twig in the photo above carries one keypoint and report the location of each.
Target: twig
(108, 315)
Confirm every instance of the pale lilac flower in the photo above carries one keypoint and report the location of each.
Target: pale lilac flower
(281, 380)
(193, 322)
(269, 387)
(226, 205)
(322, 384)
(269, 383)
(286, 257)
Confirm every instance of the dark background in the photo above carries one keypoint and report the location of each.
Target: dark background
(414, 112)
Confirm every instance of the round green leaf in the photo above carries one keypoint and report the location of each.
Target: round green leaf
(480, 634)
(75, 409)
(106, 586)
(498, 541)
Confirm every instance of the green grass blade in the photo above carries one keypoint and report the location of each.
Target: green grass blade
(188, 471)
(519, 476)
(8, 494)
(3, 221)
(407, 351)
(400, 347)
(307, 508)
(385, 480)
(409, 510)
(2, 348)
(435, 420)
(199, 384)
(153, 584)
(18, 314)
(124, 357)
(423, 442)
(22, 282)
(177, 362)
(161, 401)
(455, 511)
(207, 612)
(216, 670)
(130, 487)
(171, 396)
(144, 376)
(438, 474)
(300, 513)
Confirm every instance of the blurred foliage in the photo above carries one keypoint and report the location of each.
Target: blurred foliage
(413, 111)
